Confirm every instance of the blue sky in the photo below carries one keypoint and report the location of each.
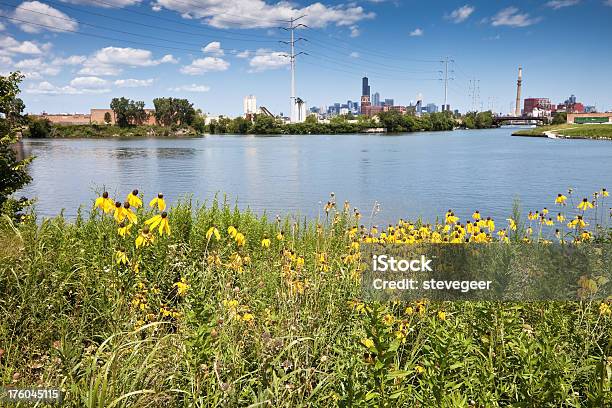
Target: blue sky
(78, 54)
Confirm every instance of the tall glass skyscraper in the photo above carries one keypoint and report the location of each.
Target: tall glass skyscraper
(365, 88)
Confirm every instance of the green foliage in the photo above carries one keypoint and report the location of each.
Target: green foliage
(264, 125)
(13, 170)
(39, 128)
(128, 112)
(478, 120)
(559, 118)
(174, 112)
(107, 118)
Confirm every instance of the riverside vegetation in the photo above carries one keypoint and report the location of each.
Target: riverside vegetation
(205, 305)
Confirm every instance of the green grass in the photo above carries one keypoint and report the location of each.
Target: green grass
(108, 131)
(71, 316)
(571, 130)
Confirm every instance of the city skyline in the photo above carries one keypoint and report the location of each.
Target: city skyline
(79, 54)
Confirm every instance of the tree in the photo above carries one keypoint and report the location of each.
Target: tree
(559, 118)
(264, 125)
(107, 118)
(174, 112)
(120, 107)
(39, 128)
(13, 172)
(136, 113)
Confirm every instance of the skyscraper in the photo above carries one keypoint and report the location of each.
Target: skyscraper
(250, 105)
(376, 99)
(365, 88)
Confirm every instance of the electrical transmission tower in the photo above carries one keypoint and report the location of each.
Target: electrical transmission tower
(445, 72)
(292, 56)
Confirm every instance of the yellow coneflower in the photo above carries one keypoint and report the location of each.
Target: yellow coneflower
(104, 203)
(232, 231)
(585, 204)
(367, 342)
(247, 317)
(476, 215)
(181, 287)
(160, 220)
(240, 239)
(280, 236)
(419, 369)
(545, 211)
(159, 202)
(511, 224)
(604, 192)
(121, 257)
(145, 237)
(134, 200)
(560, 217)
(213, 231)
(604, 309)
(129, 214)
(119, 214)
(442, 315)
(124, 229)
(265, 243)
(561, 199)
(490, 224)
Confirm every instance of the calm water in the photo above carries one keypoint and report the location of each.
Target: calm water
(410, 175)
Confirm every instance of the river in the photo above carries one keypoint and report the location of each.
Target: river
(410, 175)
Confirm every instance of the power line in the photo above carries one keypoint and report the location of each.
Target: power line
(292, 27)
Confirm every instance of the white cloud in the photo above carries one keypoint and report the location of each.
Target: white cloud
(213, 48)
(40, 13)
(260, 14)
(71, 60)
(354, 31)
(110, 60)
(2, 27)
(77, 86)
(206, 64)
(557, 4)
(461, 14)
(608, 3)
(354, 54)
(266, 59)
(36, 68)
(248, 53)
(190, 88)
(10, 46)
(110, 3)
(134, 83)
(417, 32)
(511, 17)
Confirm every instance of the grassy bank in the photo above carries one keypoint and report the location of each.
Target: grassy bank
(570, 131)
(106, 131)
(231, 309)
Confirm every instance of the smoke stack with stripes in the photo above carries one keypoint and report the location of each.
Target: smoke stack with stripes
(519, 83)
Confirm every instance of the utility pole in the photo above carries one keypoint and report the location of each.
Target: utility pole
(445, 61)
(291, 28)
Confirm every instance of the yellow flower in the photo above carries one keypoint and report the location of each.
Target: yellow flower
(129, 214)
(388, 319)
(230, 304)
(181, 287)
(545, 211)
(604, 192)
(561, 199)
(409, 310)
(265, 243)
(442, 315)
(476, 215)
(560, 217)
(124, 229)
(419, 369)
(144, 238)
(160, 220)
(247, 317)
(134, 200)
(585, 204)
(104, 203)
(369, 343)
(121, 257)
(232, 231)
(119, 214)
(240, 239)
(511, 224)
(604, 309)
(280, 236)
(213, 231)
(159, 202)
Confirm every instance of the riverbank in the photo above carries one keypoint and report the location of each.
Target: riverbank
(112, 131)
(569, 131)
(234, 310)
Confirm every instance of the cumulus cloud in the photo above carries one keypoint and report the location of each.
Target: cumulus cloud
(90, 82)
(190, 88)
(354, 31)
(110, 60)
(40, 13)
(36, 68)
(512, 17)
(260, 14)
(80, 85)
(213, 48)
(354, 54)
(417, 32)
(71, 60)
(2, 27)
(207, 64)
(557, 4)
(264, 60)
(461, 14)
(134, 83)
(109, 3)
(10, 46)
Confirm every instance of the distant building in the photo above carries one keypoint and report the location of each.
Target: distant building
(541, 107)
(590, 109)
(431, 108)
(66, 119)
(580, 118)
(300, 109)
(365, 87)
(249, 104)
(376, 99)
(365, 104)
(389, 102)
(97, 116)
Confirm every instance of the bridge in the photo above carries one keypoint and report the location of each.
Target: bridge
(498, 120)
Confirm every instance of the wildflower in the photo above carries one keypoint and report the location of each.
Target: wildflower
(159, 202)
(129, 214)
(104, 203)
(419, 369)
(409, 311)
(442, 315)
(232, 231)
(560, 217)
(181, 287)
(604, 309)
(134, 200)
(585, 204)
(451, 218)
(476, 215)
(247, 317)
(121, 257)
(549, 221)
(561, 199)
(240, 239)
(145, 237)
(367, 342)
(388, 319)
(119, 214)
(124, 229)
(280, 236)
(545, 211)
(490, 224)
(511, 224)
(231, 304)
(213, 231)
(265, 243)
(604, 192)
(577, 222)
(160, 220)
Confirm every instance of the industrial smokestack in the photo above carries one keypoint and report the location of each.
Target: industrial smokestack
(517, 110)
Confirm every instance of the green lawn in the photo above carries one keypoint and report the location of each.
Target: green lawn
(570, 130)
